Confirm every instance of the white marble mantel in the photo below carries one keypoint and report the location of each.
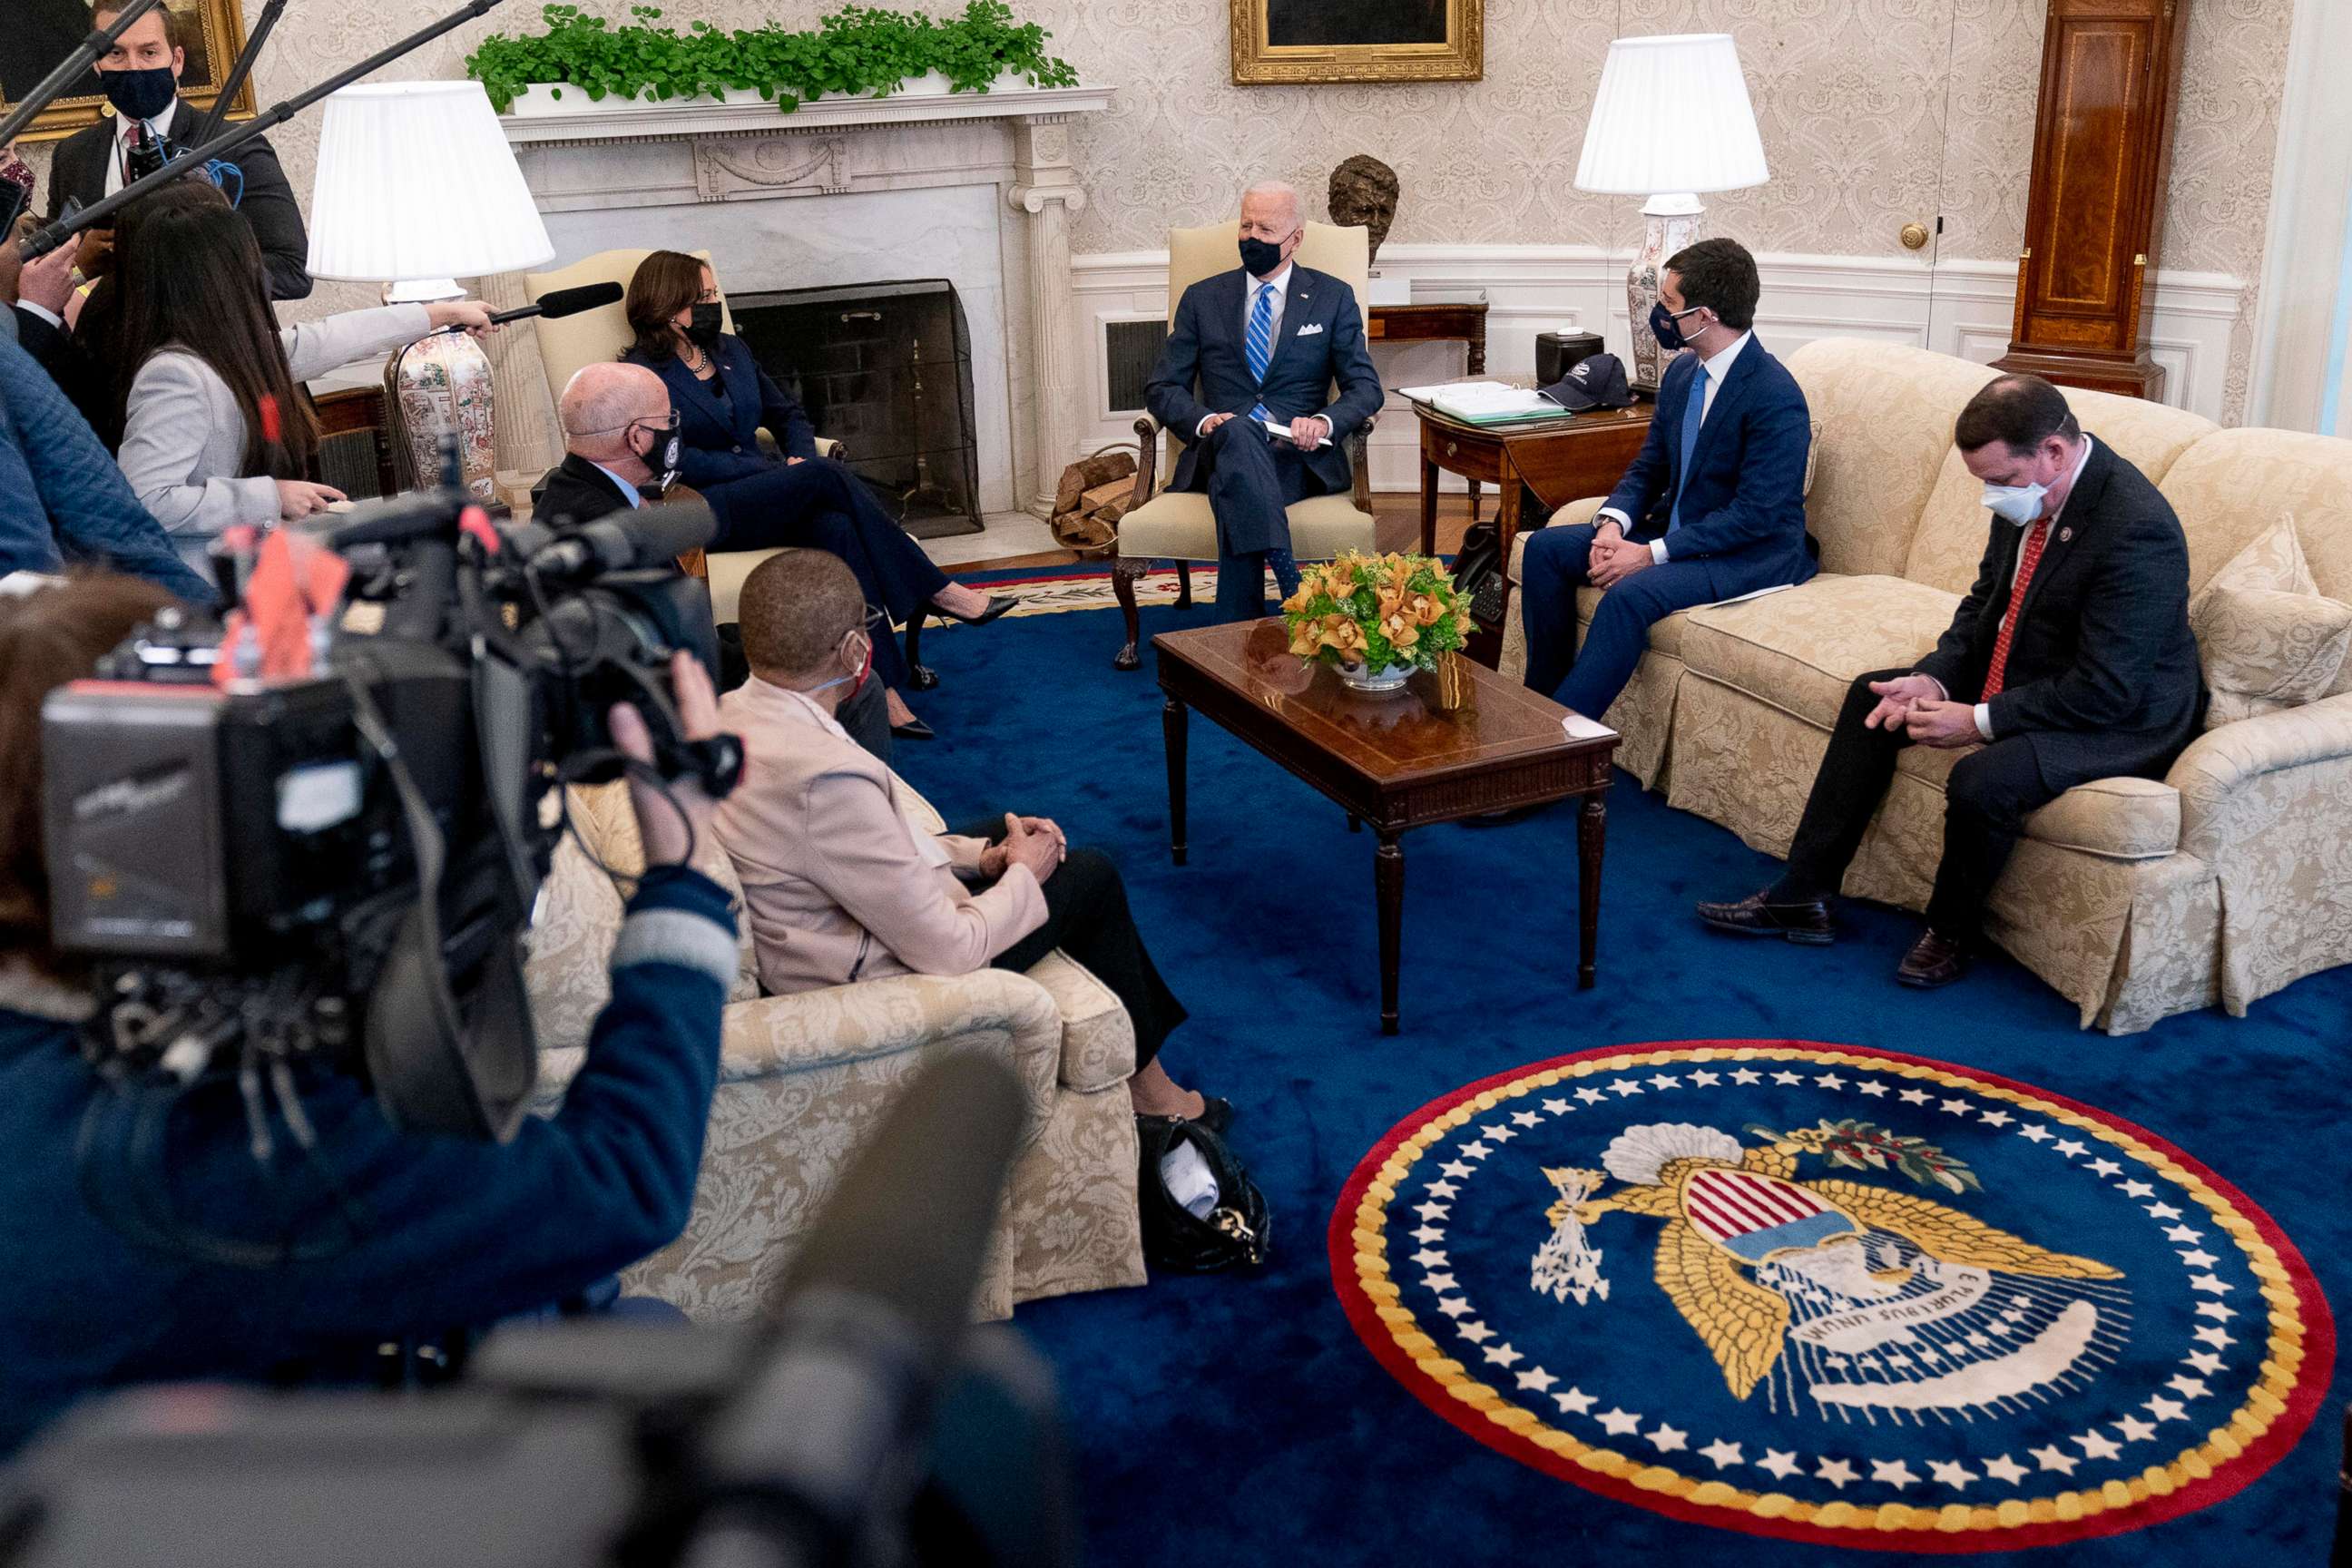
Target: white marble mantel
(974, 188)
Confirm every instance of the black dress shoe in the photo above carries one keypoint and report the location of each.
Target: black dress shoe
(1934, 960)
(1807, 923)
(997, 605)
(914, 729)
(1216, 1114)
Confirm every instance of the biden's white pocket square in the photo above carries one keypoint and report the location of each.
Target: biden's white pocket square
(1310, 330)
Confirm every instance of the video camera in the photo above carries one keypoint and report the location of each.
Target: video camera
(338, 865)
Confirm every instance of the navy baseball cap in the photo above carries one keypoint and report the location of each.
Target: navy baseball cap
(1597, 382)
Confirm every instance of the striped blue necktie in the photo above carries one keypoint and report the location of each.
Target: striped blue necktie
(1693, 410)
(1261, 341)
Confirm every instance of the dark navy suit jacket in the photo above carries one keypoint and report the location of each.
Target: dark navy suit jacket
(1204, 369)
(1743, 502)
(2103, 669)
(722, 439)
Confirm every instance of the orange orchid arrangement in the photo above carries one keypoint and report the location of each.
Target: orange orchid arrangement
(1377, 611)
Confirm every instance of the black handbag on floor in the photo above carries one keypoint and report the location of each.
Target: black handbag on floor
(1238, 1231)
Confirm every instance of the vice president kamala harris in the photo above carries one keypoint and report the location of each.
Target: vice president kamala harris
(723, 398)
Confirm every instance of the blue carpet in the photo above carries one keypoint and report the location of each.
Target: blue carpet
(1239, 1419)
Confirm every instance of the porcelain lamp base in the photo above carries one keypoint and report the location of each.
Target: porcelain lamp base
(1669, 222)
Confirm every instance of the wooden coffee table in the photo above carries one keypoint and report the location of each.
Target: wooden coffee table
(1461, 742)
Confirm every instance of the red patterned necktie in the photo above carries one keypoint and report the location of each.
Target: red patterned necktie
(2029, 556)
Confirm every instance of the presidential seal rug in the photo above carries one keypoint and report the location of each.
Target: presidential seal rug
(1833, 1295)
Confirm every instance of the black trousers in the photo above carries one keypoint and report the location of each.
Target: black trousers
(1987, 799)
(817, 504)
(1086, 916)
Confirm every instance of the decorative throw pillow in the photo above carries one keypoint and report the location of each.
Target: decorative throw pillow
(2268, 638)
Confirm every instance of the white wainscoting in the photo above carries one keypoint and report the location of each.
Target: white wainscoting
(1961, 308)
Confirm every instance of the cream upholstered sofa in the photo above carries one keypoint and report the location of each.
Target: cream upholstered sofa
(803, 1078)
(2135, 898)
(1177, 525)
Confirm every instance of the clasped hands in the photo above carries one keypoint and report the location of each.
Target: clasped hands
(1917, 702)
(1308, 430)
(1032, 841)
(1613, 557)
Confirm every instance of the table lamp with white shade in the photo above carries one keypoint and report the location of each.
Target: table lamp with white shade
(417, 188)
(1671, 121)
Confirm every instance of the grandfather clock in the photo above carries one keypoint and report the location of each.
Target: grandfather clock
(2101, 138)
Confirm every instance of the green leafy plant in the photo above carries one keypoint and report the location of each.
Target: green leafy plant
(1377, 611)
(859, 50)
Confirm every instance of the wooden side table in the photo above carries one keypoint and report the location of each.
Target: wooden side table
(1462, 321)
(1561, 461)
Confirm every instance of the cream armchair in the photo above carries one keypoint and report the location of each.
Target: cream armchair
(1169, 526)
(803, 1078)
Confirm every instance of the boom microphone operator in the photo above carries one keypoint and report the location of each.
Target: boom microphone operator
(71, 71)
(35, 246)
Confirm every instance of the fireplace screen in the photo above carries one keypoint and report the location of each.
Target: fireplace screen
(885, 369)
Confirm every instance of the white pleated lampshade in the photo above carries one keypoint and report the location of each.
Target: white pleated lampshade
(1673, 115)
(418, 182)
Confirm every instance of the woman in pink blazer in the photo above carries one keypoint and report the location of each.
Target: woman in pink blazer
(841, 886)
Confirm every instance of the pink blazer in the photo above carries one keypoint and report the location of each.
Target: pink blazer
(837, 882)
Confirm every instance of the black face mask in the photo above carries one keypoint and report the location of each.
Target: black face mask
(1666, 327)
(668, 444)
(703, 330)
(140, 94)
(1260, 257)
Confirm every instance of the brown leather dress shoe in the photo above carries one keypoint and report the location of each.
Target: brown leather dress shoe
(1807, 923)
(1933, 960)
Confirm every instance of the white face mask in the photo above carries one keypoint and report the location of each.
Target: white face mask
(2020, 504)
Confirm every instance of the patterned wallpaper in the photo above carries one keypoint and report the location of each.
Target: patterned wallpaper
(1874, 114)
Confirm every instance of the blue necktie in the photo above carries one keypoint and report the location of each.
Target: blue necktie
(1260, 346)
(1693, 410)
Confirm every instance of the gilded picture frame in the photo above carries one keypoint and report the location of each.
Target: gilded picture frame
(1294, 41)
(41, 33)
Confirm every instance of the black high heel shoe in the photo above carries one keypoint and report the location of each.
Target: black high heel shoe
(914, 729)
(997, 605)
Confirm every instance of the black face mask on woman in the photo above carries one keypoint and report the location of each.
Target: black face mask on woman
(703, 332)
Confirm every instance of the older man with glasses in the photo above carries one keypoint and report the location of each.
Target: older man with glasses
(619, 437)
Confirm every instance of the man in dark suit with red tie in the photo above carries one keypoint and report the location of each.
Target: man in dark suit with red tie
(2070, 659)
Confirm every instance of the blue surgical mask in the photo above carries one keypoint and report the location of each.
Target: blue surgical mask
(2020, 504)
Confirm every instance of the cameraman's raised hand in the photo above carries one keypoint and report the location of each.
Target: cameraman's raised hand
(670, 823)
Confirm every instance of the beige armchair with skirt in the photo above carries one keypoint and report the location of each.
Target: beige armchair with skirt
(803, 1079)
(1178, 526)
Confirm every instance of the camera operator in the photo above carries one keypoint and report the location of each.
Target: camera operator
(370, 1236)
